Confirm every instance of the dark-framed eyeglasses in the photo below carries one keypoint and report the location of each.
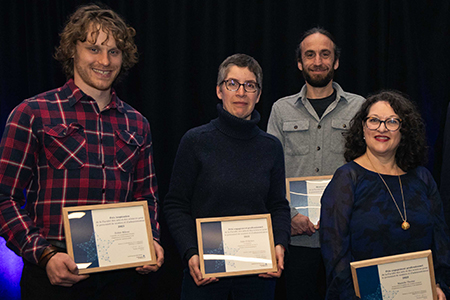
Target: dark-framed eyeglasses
(233, 85)
(391, 124)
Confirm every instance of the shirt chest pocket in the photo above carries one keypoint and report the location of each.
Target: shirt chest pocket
(128, 146)
(338, 129)
(297, 137)
(65, 146)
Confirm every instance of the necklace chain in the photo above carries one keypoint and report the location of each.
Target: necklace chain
(405, 224)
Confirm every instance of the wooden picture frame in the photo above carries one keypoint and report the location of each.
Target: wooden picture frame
(304, 193)
(405, 276)
(107, 237)
(239, 245)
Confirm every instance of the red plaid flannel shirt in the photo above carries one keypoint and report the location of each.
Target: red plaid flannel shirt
(59, 150)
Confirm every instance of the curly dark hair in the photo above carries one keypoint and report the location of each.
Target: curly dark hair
(412, 150)
(101, 18)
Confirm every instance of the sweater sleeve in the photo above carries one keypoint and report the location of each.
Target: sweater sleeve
(277, 204)
(177, 203)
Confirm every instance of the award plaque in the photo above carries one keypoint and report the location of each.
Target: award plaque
(407, 276)
(241, 245)
(304, 194)
(109, 236)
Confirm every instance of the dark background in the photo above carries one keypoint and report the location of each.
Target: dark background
(399, 44)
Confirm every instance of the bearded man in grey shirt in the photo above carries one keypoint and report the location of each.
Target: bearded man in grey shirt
(310, 125)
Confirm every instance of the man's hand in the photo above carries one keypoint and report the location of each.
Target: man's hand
(63, 271)
(279, 254)
(301, 224)
(194, 270)
(159, 251)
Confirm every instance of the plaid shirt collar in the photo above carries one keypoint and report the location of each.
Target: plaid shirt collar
(75, 94)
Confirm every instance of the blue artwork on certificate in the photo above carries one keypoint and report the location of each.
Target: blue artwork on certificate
(83, 239)
(299, 196)
(213, 244)
(370, 287)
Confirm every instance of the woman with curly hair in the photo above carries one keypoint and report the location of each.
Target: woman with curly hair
(383, 201)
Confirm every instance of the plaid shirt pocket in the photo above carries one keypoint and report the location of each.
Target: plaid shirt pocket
(65, 146)
(128, 145)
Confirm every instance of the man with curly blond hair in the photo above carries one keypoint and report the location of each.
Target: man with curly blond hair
(76, 145)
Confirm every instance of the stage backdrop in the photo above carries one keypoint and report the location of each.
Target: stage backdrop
(399, 44)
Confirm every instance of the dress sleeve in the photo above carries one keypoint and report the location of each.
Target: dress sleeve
(336, 210)
(441, 239)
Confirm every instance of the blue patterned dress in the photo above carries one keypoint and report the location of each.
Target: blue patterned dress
(359, 220)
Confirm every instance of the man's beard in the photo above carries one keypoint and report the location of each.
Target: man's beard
(318, 82)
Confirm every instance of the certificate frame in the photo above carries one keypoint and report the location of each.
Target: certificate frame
(298, 186)
(220, 256)
(95, 248)
(399, 267)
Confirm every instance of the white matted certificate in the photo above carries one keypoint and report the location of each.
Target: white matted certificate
(109, 236)
(304, 194)
(407, 276)
(238, 245)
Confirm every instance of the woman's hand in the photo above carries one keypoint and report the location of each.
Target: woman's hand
(440, 294)
(279, 254)
(194, 270)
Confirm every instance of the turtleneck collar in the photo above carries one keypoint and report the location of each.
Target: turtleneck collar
(236, 127)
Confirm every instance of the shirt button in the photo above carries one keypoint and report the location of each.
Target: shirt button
(295, 127)
(103, 166)
(344, 126)
(318, 148)
(317, 170)
(319, 126)
(103, 191)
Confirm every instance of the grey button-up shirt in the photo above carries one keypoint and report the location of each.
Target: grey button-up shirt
(312, 146)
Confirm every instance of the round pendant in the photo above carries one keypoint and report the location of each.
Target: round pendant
(405, 225)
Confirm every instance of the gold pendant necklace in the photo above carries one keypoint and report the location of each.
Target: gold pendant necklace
(405, 224)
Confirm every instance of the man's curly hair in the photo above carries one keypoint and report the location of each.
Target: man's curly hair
(412, 150)
(89, 17)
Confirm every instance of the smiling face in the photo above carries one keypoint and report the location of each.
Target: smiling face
(96, 65)
(382, 142)
(239, 103)
(318, 62)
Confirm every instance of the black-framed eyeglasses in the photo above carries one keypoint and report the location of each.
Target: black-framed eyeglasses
(233, 85)
(391, 124)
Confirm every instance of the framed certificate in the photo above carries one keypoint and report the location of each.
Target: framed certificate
(407, 276)
(241, 245)
(304, 194)
(109, 236)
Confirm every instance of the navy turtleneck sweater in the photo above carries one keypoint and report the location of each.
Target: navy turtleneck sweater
(228, 167)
